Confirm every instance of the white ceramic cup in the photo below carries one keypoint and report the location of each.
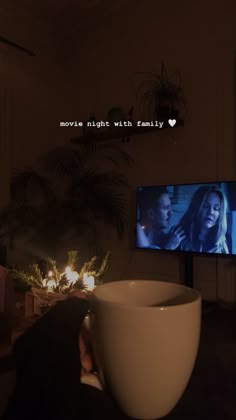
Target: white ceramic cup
(147, 336)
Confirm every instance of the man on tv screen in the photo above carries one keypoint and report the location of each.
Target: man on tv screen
(155, 212)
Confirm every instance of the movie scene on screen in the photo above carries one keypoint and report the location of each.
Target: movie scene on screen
(198, 218)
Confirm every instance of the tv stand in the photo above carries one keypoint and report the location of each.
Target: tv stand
(188, 270)
(207, 306)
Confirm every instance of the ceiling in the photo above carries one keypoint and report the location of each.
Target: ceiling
(47, 26)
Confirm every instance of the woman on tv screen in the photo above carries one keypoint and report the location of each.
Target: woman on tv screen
(205, 222)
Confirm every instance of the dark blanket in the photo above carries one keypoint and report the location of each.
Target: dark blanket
(48, 371)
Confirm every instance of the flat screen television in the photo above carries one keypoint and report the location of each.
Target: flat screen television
(191, 218)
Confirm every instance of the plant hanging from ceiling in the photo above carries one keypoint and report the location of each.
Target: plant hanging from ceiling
(160, 96)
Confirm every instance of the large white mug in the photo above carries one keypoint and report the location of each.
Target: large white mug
(147, 336)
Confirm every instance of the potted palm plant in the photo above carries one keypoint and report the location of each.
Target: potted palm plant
(68, 196)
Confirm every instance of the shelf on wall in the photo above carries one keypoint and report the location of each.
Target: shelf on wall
(114, 133)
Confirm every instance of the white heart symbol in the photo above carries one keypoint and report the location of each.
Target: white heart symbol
(172, 122)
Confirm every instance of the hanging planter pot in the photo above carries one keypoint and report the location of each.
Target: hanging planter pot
(160, 97)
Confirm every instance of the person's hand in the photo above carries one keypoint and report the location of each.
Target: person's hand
(86, 357)
(173, 238)
(85, 342)
(79, 294)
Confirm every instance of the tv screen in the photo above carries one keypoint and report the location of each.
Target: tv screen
(199, 218)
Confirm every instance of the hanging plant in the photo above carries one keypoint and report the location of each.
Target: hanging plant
(159, 97)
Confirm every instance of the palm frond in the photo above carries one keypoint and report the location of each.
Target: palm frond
(105, 150)
(91, 177)
(64, 161)
(103, 197)
(27, 185)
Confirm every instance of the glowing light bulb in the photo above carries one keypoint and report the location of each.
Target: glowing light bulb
(88, 282)
(51, 284)
(72, 276)
(68, 270)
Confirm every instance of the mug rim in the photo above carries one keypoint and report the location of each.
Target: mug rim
(196, 296)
